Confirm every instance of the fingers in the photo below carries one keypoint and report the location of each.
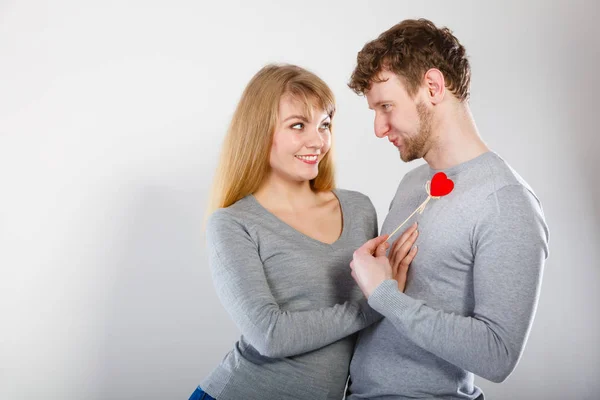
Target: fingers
(408, 259)
(381, 249)
(403, 268)
(392, 257)
(407, 233)
(401, 250)
(372, 244)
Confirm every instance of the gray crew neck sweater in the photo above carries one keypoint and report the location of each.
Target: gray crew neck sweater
(472, 289)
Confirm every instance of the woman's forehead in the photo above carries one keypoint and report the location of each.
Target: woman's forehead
(307, 107)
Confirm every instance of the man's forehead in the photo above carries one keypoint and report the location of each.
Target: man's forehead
(387, 85)
(376, 92)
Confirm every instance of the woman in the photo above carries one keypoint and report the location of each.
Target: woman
(280, 242)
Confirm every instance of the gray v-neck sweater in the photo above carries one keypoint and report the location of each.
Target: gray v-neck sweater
(293, 299)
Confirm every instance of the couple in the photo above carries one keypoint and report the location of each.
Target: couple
(327, 307)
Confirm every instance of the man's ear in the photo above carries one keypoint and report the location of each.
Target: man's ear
(435, 85)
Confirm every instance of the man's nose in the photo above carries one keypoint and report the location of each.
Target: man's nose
(382, 128)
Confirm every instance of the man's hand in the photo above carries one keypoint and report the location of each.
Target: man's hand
(402, 253)
(370, 267)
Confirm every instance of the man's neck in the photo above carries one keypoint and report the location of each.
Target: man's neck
(455, 139)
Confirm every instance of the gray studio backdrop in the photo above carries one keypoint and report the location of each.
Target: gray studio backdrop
(111, 119)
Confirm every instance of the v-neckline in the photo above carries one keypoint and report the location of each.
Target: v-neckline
(304, 235)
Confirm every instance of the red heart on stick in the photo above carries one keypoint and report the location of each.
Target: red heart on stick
(441, 185)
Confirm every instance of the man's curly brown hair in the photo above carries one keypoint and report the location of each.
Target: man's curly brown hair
(410, 49)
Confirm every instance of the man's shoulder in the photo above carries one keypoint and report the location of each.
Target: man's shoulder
(501, 176)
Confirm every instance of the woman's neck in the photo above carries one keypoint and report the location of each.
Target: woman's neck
(281, 194)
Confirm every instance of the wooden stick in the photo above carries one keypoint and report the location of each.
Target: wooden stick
(420, 209)
(409, 217)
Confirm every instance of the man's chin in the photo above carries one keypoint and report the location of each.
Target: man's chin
(403, 156)
(407, 158)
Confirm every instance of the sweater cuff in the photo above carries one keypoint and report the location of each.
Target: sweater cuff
(389, 300)
(369, 314)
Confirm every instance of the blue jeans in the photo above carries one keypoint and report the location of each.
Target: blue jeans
(200, 394)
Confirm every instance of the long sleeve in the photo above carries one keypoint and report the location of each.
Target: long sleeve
(510, 243)
(241, 284)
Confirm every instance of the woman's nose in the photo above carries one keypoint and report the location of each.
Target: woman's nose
(315, 140)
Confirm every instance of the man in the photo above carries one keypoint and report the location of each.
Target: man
(473, 287)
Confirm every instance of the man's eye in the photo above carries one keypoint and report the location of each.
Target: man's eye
(386, 106)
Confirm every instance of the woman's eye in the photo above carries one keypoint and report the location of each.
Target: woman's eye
(298, 126)
(386, 106)
(325, 125)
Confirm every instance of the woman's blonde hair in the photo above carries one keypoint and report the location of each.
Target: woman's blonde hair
(244, 161)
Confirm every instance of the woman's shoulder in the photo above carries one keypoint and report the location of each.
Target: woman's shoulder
(354, 197)
(359, 208)
(237, 214)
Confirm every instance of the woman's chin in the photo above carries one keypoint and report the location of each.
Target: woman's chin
(307, 177)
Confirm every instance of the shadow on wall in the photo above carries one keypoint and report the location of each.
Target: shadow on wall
(159, 261)
(580, 87)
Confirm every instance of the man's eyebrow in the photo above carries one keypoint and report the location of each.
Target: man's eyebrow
(379, 103)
